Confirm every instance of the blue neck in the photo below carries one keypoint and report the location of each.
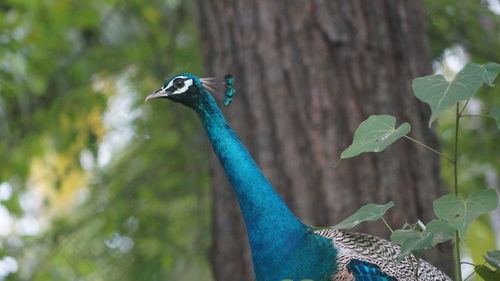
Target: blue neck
(282, 246)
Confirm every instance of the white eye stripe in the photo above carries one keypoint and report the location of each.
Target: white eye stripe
(187, 84)
(172, 81)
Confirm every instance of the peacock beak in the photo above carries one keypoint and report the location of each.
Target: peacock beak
(160, 93)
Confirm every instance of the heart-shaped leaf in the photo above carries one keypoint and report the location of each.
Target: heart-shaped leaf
(370, 212)
(495, 113)
(411, 241)
(441, 230)
(375, 134)
(441, 94)
(460, 213)
(490, 72)
(493, 258)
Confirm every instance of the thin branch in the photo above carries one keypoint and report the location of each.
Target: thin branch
(477, 115)
(469, 263)
(463, 108)
(430, 148)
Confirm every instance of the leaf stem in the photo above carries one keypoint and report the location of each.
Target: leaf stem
(387, 224)
(456, 252)
(430, 148)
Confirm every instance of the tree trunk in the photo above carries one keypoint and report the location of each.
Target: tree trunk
(307, 73)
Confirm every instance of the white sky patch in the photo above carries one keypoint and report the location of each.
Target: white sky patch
(475, 106)
(494, 6)
(87, 160)
(8, 265)
(5, 191)
(28, 225)
(453, 60)
(6, 221)
(30, 202)
(118, 119)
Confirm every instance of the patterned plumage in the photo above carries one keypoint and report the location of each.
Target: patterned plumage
(378, 252)
(282, 246)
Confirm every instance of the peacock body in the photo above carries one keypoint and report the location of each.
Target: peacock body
(282, 246)
(375, 255)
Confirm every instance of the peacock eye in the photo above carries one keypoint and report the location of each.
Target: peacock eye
(179, 83)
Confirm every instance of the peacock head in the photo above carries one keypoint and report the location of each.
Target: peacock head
(183, 88)
(192, 91)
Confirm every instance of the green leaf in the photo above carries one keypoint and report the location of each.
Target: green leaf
(493, 258)
(460, 213)
(487, 274)
(375, 134)
(370, 212)
(441, 94)
(495, 113)
(411, 240)
(490, 72)
(401, 235)
(441, 230)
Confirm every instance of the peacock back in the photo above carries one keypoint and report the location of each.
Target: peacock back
(369, 258)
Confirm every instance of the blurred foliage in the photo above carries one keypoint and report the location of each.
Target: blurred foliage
(105, 187)
(73, 77)
(469, 23)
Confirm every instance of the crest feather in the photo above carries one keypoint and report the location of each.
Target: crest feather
(213, 84)
(220, 85)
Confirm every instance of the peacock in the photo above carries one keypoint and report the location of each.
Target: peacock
(282, 246)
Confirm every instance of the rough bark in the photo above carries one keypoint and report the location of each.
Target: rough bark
(307, 73)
